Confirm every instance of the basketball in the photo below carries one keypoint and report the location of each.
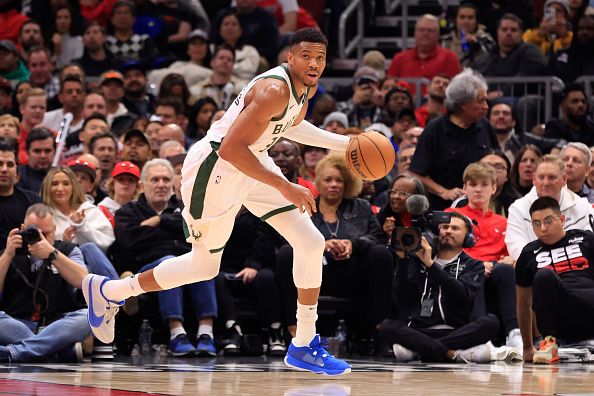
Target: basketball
(370, 155)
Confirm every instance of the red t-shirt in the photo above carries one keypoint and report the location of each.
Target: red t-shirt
(489, 234)
(10, 25)
(307, 184)
(408, 64)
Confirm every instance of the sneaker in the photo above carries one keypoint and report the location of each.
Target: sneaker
(205, 346)
(477, 354)
(181, 346)
(276, 342)
(403, 354)
(315, 358)
(232, 341)
(101, 312)
(548, 352)
(514, 340)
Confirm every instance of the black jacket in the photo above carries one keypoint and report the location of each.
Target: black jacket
(452, 288)
(138, 245)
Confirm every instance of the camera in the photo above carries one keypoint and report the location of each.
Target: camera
(30, 234)
(408, 239)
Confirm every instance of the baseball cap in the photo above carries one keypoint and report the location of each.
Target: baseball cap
(198, 33)
(365, 74)
(8, 46)
(111, 75)
(132, 65)
(336, 116)
(136, 132)
(83, 166)
(126, 167)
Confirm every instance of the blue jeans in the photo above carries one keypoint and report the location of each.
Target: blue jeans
(171, 302)
(26, 346)
(97, 262)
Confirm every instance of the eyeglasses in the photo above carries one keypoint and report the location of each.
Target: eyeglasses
(498, 167)
(546, 221)
(400, 193)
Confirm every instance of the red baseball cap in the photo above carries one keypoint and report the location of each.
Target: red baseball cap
(83, 166)
(126, 167)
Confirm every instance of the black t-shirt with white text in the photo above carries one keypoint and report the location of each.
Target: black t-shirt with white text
(570, 258)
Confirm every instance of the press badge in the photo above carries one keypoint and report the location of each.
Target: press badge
(426, 308)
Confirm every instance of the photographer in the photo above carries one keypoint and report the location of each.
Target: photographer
(39, 315)
(439, 328)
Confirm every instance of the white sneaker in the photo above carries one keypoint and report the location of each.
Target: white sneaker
(101, 312)
(402, 354)
(514, 340)
(477, 354)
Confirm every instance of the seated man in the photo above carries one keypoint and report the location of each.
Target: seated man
(549, 180)
(480, 183)
(577, 158)
(440, 327)
(38, 322)
(554, 279)
(149, 231)
(574, 125)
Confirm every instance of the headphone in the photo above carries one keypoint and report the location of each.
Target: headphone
(469, 238)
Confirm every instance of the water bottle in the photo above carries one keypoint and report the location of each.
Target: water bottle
(144, 338)
(463, 42)
(341, 336)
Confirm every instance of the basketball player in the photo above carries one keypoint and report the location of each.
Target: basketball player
(229, 168)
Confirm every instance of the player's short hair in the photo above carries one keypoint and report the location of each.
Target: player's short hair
(352, 184)
(308, 35)
(479, 171)
(543, 203)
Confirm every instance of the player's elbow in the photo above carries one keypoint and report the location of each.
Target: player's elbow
(226, 152)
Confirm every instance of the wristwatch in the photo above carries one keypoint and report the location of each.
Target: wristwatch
(53, 255)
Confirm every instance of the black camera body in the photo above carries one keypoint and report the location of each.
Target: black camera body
(30, 234)
(408, 239)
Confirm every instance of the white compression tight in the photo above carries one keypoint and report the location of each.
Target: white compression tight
(296, 228)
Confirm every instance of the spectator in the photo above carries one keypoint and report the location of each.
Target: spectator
(492, 12)
(574, 126)
(173, 86)
(137, 100)
(94, 103)
(67, 45)
(286, 155)
(123, 187)
(137, 148)
(171, 148)
(554, 280)
(404, 121)
(199, 119)
(577, 60)
(554, 32)
(170, 111)
(78, 142)
(104, 147)
(396, 100)
(427, 58)
(324, 105)
(353, 239)
(112, 88)
(40, 65)
(411, 136)
(41, 148)
(497, 297)
(152, 132)
(503, 121)
(247, 58)
(336, 122)
(311, 156)
(17, 97)
(33, 106)
(512, 56)
(177, 162)
(171, 132)
(14, 21)
(5, 96)
(360, 109)
(9, 126)
(405, 155)
(549, 181)
(221, 86)
(194, 70)
(95, 58)
(522, 172)
(14, 201)
(29, 37)
(577, 158)
(443, 150)
(11, 66)
(124, 44)
(96, 11)
(259, 28)
(469, 39)
(505, 194)
(63, 318)
(72, 95)
(434, 107)
(452, 281)
(149, 231)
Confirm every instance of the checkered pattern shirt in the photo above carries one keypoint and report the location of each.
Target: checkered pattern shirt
(52, 87)
(129, 49)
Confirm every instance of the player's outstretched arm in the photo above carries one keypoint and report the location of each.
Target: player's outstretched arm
(267, 99)
(309, 134)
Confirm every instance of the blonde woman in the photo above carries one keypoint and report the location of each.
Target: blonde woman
(77, 220)
(9, 126)
(122, 187)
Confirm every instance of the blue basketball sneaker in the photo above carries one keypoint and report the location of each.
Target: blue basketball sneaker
(316, 359)
(101, 312)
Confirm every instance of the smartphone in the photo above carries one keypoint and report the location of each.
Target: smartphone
(231, 277)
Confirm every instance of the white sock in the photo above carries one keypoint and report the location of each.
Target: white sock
(121, 289)
(306, 324)
(176, 331)
(205, 329)
(229, 324)
(275, 325)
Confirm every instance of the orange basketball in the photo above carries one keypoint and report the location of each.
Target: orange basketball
(370, 155)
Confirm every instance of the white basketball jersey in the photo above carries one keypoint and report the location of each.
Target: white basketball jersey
(277, 125)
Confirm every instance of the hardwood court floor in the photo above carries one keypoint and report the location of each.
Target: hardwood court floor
(259, 376)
